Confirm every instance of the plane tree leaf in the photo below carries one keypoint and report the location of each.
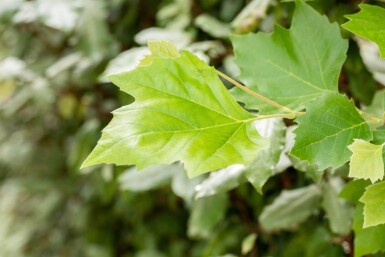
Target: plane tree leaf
(374, 207)
(338, 210)
(366, 161)
(367, 240)
(369, 23)
(291, 66)
(330, 125)
(206, 213)
(290, 208)
(182, 111)
(264, 165)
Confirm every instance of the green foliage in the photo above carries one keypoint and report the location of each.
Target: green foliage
(322, 137)
(178, 116)
(367, 240)
(338, 211)
(290, 208)
(374, 204)
(368, 23)
(185, 113)
(366, 161)
(291, 67)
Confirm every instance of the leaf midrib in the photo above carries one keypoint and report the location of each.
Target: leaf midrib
(186, 99)
(333, 135)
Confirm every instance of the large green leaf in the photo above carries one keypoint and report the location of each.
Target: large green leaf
(366, 161)
(291, 66)
(325, 131)
(369, 23)
(181, 111)
(374, 207)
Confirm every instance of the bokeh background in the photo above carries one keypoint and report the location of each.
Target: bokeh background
(55, 99)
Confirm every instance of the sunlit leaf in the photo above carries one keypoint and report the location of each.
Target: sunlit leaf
(366, 161)
(181, 111)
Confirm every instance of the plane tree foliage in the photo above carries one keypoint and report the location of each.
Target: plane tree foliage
(192, 128)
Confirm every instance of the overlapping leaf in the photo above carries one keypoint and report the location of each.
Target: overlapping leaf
(290, 208)
(374, 207)
(338, 211)
(291, 66)
(369, 23)
(181, 111)
(264, 165)
(367, 240)
(330, 125)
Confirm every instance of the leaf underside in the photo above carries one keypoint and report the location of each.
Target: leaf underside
(182, 111)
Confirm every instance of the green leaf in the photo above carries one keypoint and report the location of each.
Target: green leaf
(290, 208)
(374, 207)
(366, 161)
(291, 66)
(338, 211)
(328, 127)
(369, 23)
(206, 213)
(248, 243)
(354, 190)
(367, 240)
(377, 107)
(182, 111)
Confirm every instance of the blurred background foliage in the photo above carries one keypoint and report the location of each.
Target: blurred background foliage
(55, 99)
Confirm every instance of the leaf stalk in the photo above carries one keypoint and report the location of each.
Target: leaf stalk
(256, 95)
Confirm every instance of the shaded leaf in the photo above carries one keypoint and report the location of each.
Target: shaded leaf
(377, 107)
(212, 26)
(184, 187)
(264, 165)
(369, 23)
(338, 211)
(221, 181)
(291, 66)
(374, 204)
(290, 208)
(149, 178)
(353, 190)
(328, 127)
(205, 215)
(367, 240)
